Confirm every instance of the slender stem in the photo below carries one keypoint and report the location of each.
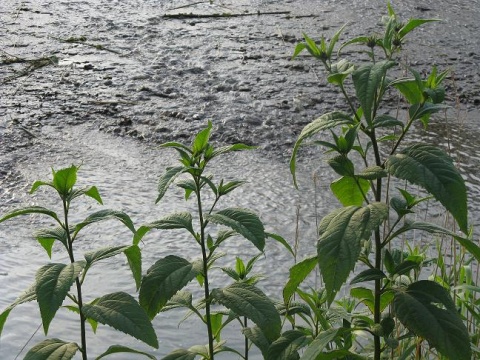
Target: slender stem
(245, 324)
(205, 268)
(77, 283)
(378, 253)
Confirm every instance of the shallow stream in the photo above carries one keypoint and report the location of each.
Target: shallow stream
(161, 80)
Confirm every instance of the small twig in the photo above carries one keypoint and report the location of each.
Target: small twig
(82, 40)
(33, 64)
(221, 15)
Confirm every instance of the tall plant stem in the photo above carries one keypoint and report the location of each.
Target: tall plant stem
(378, 253)
(77, 283)
(208, 319)
(245, 324)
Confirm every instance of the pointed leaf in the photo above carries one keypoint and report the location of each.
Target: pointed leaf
(47, 237)
(247, 300)
(287, 345)
(52, 349)
(341, 235)
(419, 111)
(350, 191)
(411, 89)
(298, 49)
(134, 258)
(65, 179)
(230, 148)
(315, 349)
(39, 183)
(180, 220)
(180, 354)
(122, 312)
(433, 169)
(115, 349)
(298, 273)
(281, 240)
(201, 139)
(324, 122)
(372, 173)
(256, 336)
(163, 280)
(368, 275)
(368, 81)
(417, 309)
(244, 222)
(101, 254)
(106, 214)
(386, 121)
(412, 24)
(53, 281)
(28, 211)
(166, 179)
(94, 194)
(28, 295)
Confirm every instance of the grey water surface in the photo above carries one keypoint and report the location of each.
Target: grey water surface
(139, 79)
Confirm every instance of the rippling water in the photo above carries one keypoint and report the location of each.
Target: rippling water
(126, 174)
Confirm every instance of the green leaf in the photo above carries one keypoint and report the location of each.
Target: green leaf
(368, 81)
(47, 238)
(417, 308)
(341, 235)
(166, 179)
(386, 121)
(134, 258)
(350, 191)
(411, 89)
(115, 349)
(101, 254)
(94, 194)
(247, 300)
(298, 273)
(53, 281)
(65, 179)
(180, 354)
(28, 211)
(281, 240)
(342, 165)
(180, 220)
(418, 111)
(286, 346)
(230, 148)
(372, 173)
(339, 72)
(368, 275)
(28, 295)
(39, 183)
(334, 40)
(52, 349)
(315, 349)
(324, 122)
(106, 214)
(201, 139)
(256, 336)
(412, 24)
(472, 248)
(122, 312)
(298, 49)
(244, 222)
(433, 169)
(167, 276)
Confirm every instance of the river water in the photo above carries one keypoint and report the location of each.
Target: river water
(162, 80)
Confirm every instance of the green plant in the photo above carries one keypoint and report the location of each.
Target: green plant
(368, 146)
(162, 287)
(54, 280)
